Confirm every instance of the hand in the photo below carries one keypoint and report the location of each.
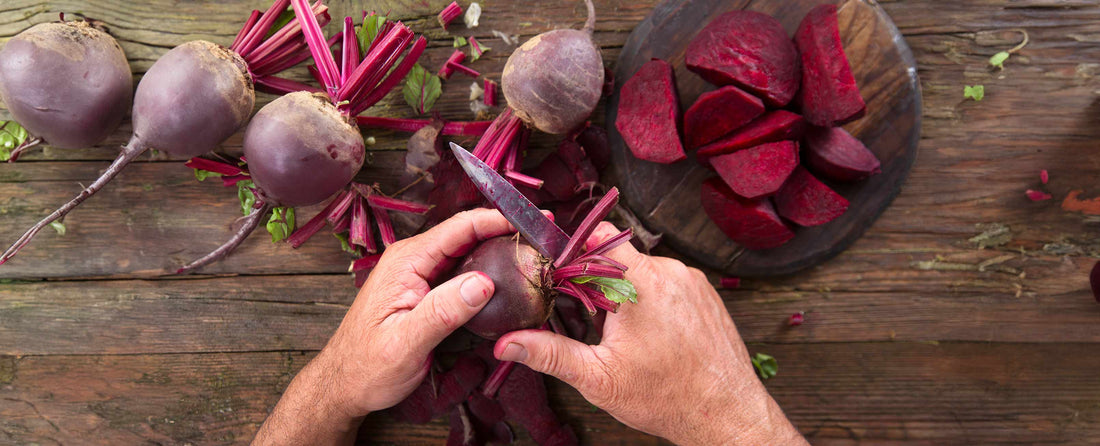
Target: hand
(671, 365)
(381, 351)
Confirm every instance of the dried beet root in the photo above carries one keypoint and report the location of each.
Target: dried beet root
(837, 155)
(751, 223)
(759, 171)
(649, 114)
(807, 201)
(750, 50)
(719, 112)
(778, 125)
(829, 95)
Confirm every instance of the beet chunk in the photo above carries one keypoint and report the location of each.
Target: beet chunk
(719, 112)
(750, 50)
(829, 95)
(751, 223)
(759, 171)
(778, 125)
(839, 156)
(649, 114)
(807, 201)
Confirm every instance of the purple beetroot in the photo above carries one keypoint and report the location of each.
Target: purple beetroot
(649, 114)
(829, 95)
(837, 155)
(751, 223)
(760, 171)
(807, 201)
(719, 112)
(777, 125)
(750, 50)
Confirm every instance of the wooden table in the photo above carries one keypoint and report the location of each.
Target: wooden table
(963, 316)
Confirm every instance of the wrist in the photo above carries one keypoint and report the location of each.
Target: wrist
(742, 416)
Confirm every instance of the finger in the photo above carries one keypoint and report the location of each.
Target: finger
(624, 253)
(547, 352)
(444, 309)
(452, 239)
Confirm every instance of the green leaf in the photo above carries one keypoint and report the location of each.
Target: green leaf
(421, 89)
(281, 223)
(460, 42)
(369, 30)
(344, 245)
(477, 49)
(202, 175)
(976, 92)
(766, 366)
(244, 193)
(12, 135)
(998, 60)
(617, 290)
(59, 227)
(280, 22)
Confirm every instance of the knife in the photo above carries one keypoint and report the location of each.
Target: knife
(540, 231)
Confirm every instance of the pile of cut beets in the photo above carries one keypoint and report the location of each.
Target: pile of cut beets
(779, 101)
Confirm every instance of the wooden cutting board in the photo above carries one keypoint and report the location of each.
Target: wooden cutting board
(667, 197)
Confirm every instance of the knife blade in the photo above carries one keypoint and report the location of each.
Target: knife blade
(540, 231)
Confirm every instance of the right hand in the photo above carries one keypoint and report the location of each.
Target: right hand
(672, 365)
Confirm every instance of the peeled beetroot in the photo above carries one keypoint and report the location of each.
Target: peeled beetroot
(719, 112)
(837, 155)
(750, 50)
(829, 95)
(807, 201)
(649, 114)
(778, 125)
(759, 171)
(751, 223)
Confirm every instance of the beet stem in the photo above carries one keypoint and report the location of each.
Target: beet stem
(449, 14)
(217, 167)
(395, 76)
(341, 205)
(303, 233)
(611, 243)
(587, 226)
(131, 151)
(590, 24)
(586, 269)
(601, 258)
(393, 204)
(376, 64)
(455, 59)
(26, 145)
(385, 226)
(497, 378)
(280, 86)
(315, 38)
(364, 263)
(259, 31)
(451, 128)
(490, 96)
(248, 24)
(525, 180)
(464, 69)
(250, 224)
(349, 50)
(578, 292)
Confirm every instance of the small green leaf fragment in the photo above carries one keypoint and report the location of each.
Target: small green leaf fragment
(281, 223)
(421, 90)
(244, 193)
(202, 175)
(280, 22)
(976, 92)
(59, 227)
(12, 135)
(766, 366)
(616, 290)
(369, 31)
(460, 42)
(344, 245)
(998, 60)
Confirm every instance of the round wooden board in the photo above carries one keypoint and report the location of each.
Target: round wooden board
(667, 197)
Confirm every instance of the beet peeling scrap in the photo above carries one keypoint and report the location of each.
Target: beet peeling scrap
(829, 95)
(649, 114)
(807, 201)
(751, 223)
(837, 155)
(750, 50)
(759, 171)
(719, 112)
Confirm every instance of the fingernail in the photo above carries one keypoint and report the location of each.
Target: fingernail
(513, 352)
(476, 289)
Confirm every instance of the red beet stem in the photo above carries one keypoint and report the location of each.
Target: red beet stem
(523, 180)
(586, 269)
(377, 63)
(455, 59)
(284, 46)
(233, 180)
(340, 206)
(601, 258)
(26, 145)
(611, 243)
(490, 97)
(1044, 176)
(303, 233)
(599, 300)
(280, 86)
(349, 50)
(393, 204)
(248, 24)
(395, 76)
(385, 227)
(250, 224)
(1035, 195)
(364, 263)
(260, 29)
(578, 292)
(326, 65)
(450, 128)
(730, 282)
(485, 143)
(128, 153)
(217, 167)
(590, 24)
(493, 383)
(449, 14)
(464, 69)
(602, 208)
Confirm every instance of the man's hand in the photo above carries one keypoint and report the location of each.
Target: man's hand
(381, 350)
(672, 365)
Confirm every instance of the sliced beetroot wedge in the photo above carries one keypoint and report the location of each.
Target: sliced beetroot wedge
(807, 201)
(759, 171)
(751, 223)
(837, 155)
(750, 50)
(829, 95)
(777, 125)
(649, 114)
(719, 112)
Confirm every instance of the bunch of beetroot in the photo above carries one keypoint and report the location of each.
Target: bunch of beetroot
(779, 102)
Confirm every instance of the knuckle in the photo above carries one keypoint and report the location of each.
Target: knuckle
(443, 315)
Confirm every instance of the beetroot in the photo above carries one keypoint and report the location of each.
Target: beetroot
(837, 155)
(67, 83)
(750, 50)
(829, 94)
(807, 201)
(719, 112)
(777, 125)
(522, 296)
(751, 223)
(759, 171)
(649, 114)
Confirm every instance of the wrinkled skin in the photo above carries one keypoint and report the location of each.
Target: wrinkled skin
(301, 150)
(521, 299)
(192, 99)
(66, 82)
(554, 80)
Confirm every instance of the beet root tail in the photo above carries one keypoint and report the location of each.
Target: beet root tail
(128, 154)
(250, 223)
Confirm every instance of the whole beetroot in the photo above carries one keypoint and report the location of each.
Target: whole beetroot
(67, 83)
(523, 296)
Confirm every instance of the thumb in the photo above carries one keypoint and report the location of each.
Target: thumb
(547, 352)
(446, 308)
